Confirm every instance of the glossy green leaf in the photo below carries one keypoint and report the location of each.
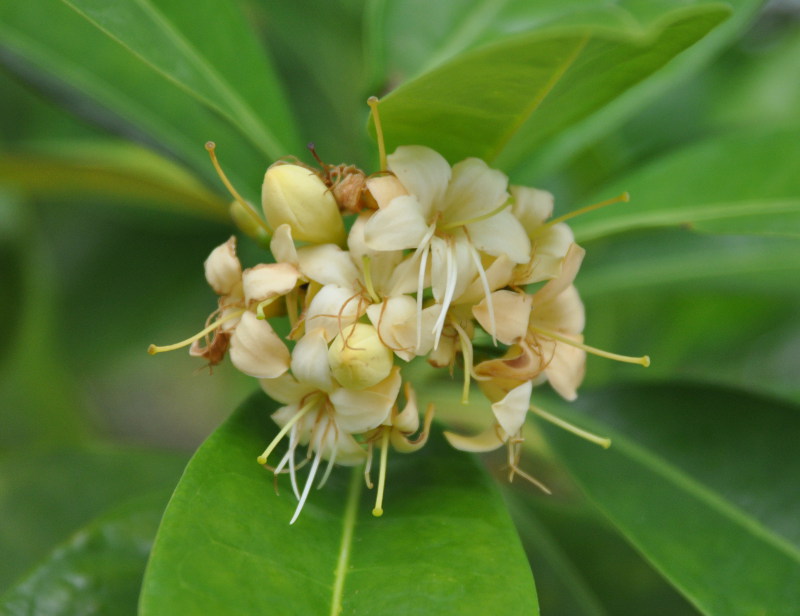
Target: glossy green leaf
(46, 495)
(445, 543)
(97, 571)
(703, 483)
(112, 170)
(503, 100)
(48, 44)
(737, 184)
(207, 49)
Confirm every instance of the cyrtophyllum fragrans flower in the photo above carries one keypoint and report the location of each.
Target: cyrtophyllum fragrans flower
(321, 413)
(433, 255)
(448, 217)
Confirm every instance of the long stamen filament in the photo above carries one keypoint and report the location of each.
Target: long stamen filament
(466, 353)
(211, 147)
(605, 443)
(642, 361)
(378, 510)
(372, 101)
(368, 278)
(449, 290)
(153, 349)
(469, 221)
(311, 474)
(486, 291)
(623, 198)
(262, 459)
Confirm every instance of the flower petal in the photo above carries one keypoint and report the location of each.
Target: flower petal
(512, 310)
(488, 440)
(310, 360)
(257, 350)
(569, 269)
(286, 389)
(282, 245)
(385, 188)
(512, 410)
(562, 313)
(502, 234)
(531, 207)
(361, 410)
(222, 268)
(550, 248)
(475, 190)
(268, 280)
(398, 226)
(566, 368)
(327, 264)
(333, 309)
(423, 172)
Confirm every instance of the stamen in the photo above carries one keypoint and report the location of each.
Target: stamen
(372, 101)
(605, 443)
(262, 459)
(211, 147)
(642, 361)
(466, 354)
(486, 292)
(518, 471)
(293, 440)
(368, 466)
(368, 278)
(260, 308)
(449, 291)
(332, 457)
(469, 221)
(623, 198)
(307, 487)
(153, 349)
(378, 510)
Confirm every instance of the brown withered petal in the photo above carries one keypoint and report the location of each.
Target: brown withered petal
(213, 352)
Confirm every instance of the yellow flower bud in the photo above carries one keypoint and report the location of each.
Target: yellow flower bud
(358, 358)
(296, 196)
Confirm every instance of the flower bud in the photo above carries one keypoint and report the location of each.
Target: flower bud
(296, 196)
(358, 358)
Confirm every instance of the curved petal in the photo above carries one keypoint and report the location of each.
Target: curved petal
(257, 350)
(282, 245)
(563, 313)
(328, 264)
(310, 360)
(549, 249)
(400, 225)
(512, 410)
(385, 188)
(569, 269)
(361, 410)
(512, 310)
(531, 206)
(387, 316)
(286, 389)
(566, 369)
(333, 309)
(423, 172)
(222, 268)
(488, 440)
(502, 234)
(268, 280)
(475, 190)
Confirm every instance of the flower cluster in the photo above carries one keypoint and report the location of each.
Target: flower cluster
(417, 260)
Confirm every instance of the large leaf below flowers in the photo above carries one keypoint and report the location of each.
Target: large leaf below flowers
(702, 482)
(503, 100)
(444, 545)
(746, 183)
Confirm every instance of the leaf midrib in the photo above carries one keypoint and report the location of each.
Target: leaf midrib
(263, 139)
(348, 527)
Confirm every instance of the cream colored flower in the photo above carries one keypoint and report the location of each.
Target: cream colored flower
(449, 217)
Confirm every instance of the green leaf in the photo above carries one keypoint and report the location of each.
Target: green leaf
(445, 544)
(702, 481)
(97, 571)
(48, 494)
(504, 100)
(113, 170)
(208, 49)
(45, 42)
(737, 184)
